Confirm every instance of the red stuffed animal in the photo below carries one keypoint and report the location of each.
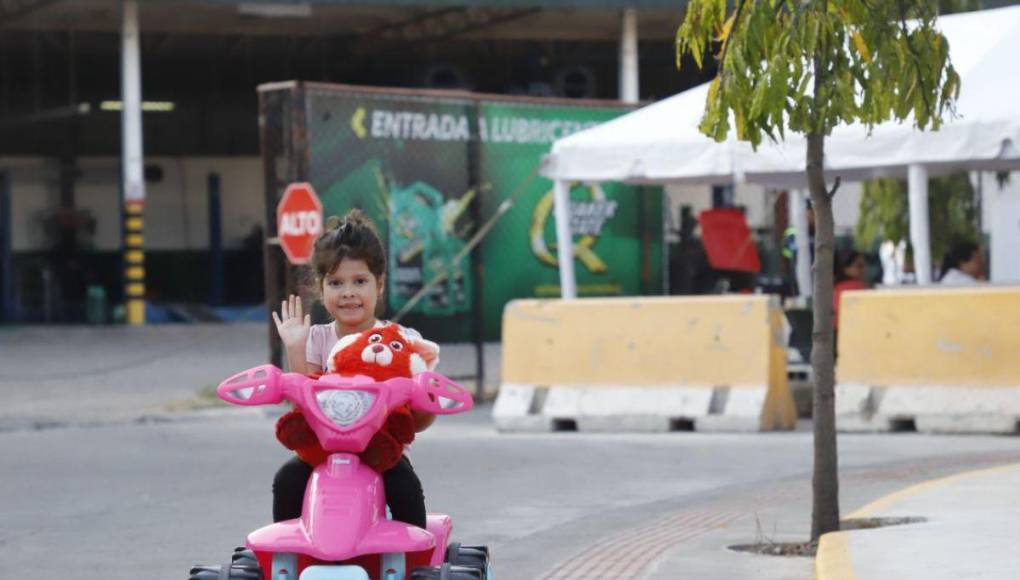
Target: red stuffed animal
(380, 353)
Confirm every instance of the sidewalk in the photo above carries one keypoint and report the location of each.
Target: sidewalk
(972, 531)
(691, 538)
(83, 375)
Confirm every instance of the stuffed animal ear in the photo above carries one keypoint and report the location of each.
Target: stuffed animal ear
(429, 352)
(341, 344)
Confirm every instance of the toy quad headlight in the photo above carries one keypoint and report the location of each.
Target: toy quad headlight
(344, 407)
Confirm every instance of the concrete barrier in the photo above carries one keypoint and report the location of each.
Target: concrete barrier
(644, 364)
(941, 360)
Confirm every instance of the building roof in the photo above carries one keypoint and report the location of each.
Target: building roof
(553, 20)
(552, 4)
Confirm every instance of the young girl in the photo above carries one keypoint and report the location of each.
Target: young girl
(350, 273)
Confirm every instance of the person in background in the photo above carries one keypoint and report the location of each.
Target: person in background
(848, 274)
(963, 265)
(789, 250)
(848, 266)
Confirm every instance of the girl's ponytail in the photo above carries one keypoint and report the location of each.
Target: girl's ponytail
(353, 237)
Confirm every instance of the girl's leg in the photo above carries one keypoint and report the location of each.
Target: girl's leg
(404, 494)
(289, 489)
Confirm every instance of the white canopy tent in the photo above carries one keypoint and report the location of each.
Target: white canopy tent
(661, 143)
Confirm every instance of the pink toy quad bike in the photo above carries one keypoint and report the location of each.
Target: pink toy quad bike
(343, 532)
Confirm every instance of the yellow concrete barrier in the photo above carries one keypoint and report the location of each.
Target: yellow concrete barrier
(648, 364)
(934, 359)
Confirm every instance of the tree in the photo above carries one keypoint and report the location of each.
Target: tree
(808, 66)
(952, 212)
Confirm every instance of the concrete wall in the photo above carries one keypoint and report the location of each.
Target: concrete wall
(644, 364)
(935, 360)
(176, 213)
(682, 341)
(934, 336)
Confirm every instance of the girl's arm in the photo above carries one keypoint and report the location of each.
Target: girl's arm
(297, 364)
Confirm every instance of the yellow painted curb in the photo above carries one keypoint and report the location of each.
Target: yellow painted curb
(833, 560)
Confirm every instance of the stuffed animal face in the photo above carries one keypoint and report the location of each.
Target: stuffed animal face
(383, 353)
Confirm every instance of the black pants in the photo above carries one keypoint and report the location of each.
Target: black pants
(403, 491)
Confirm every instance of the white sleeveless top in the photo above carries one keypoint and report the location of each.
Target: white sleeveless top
(322, 338)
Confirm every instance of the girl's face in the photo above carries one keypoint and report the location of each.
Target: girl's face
(350, 293)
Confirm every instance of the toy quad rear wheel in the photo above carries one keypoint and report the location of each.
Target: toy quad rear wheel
(476, 557)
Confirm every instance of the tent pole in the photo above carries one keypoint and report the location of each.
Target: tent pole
(798, 218)
(629, 87)
(917, 187)
(1005, 236)
(564, 241)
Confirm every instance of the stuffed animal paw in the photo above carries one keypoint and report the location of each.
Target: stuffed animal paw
(400, 424)
(293, 431)
(312, 454)
(382, 453)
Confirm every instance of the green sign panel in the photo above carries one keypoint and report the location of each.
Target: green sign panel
(408, 161)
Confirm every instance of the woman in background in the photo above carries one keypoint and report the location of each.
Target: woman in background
(963, 265)
(848, 266)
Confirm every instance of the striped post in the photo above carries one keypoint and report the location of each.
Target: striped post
(134, 263)
(133, 164)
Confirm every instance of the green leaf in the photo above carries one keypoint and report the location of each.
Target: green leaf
(713, 91)
(861, 46)
(724, 33)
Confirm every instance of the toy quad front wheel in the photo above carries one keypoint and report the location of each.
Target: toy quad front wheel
(447, 572)
(242, 566)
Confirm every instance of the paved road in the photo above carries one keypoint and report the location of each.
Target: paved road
(144, 500)
(91, 491)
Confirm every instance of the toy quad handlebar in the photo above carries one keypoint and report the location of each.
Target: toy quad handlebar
(267, 385)
(343, 411)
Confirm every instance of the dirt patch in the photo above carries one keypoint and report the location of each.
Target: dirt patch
(205, 398)
(807, 549)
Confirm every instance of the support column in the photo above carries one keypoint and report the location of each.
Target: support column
(1004, 263)
(564, 239)
(215, 241)
(917, 187)
(629, 87)
(797, 207)
(6, 252)
(132, 161)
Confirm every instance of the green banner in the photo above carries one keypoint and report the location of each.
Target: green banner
(617, 228)
(408, 161)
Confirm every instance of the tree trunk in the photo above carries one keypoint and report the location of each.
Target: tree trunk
(825, 480)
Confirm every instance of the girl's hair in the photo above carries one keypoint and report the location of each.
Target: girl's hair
(958, 253)
(352, 237)
(841, 261)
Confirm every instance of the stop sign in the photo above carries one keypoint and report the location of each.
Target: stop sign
(298, 222)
